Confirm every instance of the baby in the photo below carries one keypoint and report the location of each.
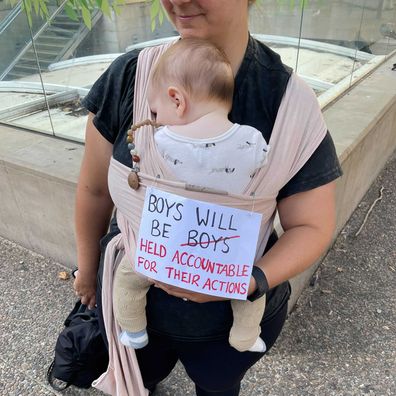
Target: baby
(190, 93)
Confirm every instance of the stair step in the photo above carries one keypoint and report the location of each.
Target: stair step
(53, 37)
(28, 71)
(42, 52)
(60, 31)
(32, 59)
(49, 47)
(66, 24)
(27, 62)
(64, 17)
(14, 76)
(69, 27)
(31, 63)
(24, 69)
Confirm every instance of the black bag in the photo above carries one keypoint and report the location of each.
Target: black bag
(80, 352)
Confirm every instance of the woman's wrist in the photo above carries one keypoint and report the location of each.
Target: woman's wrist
(252, 286)
(261, 283)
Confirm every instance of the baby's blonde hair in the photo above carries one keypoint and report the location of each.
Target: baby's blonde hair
(198, 67)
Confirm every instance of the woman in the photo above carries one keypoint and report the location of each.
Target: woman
(192, 331)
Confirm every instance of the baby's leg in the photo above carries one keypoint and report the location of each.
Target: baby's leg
(129, 303)
(245, 330)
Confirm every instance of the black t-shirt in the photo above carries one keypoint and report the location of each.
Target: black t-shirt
(259, 87)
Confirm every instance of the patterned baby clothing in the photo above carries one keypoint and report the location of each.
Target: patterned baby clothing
(226, 162)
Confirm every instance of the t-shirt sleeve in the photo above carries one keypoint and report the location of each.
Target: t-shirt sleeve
(105, 99)
(321, 168)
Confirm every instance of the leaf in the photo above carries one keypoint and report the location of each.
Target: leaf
(29, 16)
(86, 17)
(156, 12)
(106, 8)
(70, 12)
(36, 6)
(63, 275)
(116, 9)
(83, 4)
(153, 10)
(27, 8)
(45, 9)
(155, 7)
(27, 5)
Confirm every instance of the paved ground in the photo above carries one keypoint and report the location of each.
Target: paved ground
(339, 340)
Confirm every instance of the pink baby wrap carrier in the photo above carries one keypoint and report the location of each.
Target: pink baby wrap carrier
(299, 128)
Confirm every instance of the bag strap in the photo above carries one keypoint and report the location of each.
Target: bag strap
(51, 379)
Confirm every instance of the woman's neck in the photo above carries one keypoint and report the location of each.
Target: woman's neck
(235, 51)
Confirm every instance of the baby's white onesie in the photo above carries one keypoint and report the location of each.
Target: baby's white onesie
(226, 162)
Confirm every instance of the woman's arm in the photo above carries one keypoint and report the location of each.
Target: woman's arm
(92, 211)
(308, 221)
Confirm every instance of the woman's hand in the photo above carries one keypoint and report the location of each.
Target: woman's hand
(195, 296)
(85, 288)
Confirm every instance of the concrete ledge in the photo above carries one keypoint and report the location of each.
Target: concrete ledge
(38, 174)
(38, 177)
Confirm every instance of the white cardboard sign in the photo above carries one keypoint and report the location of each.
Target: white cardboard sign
(197, 245)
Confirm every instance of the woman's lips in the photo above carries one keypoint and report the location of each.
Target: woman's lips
(187, 17)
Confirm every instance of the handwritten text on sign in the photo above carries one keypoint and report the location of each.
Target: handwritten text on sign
(197, 245)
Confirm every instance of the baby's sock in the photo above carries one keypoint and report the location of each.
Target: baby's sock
(134, 340)
(245, 339)
(258, 346)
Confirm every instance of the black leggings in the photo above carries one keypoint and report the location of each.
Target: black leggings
(214, 366)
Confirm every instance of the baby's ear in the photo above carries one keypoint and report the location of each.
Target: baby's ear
(178, 99)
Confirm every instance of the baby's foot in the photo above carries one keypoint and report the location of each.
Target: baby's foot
(134, 340)
(258, 346)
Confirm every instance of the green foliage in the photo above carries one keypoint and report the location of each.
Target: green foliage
(156, 13)
(77, 9)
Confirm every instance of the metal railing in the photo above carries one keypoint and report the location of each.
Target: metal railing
(10, 17)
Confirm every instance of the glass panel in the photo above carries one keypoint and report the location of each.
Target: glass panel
(324, 41)
(376, 34)
(15, 36)
(22, 98)
(277, 24)
(378, 28)
(330, 47)
(343, 40)
(82, 58)
(390, 32)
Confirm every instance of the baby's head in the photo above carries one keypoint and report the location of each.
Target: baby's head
(190, 79)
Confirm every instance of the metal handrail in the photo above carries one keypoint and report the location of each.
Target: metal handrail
(26, 48)
(10, 17)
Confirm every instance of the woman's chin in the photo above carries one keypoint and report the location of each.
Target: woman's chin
(191, 33)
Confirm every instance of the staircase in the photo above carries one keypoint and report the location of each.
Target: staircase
(55, 41)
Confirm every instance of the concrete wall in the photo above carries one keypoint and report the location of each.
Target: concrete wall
(38, 176)
(38, 173)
